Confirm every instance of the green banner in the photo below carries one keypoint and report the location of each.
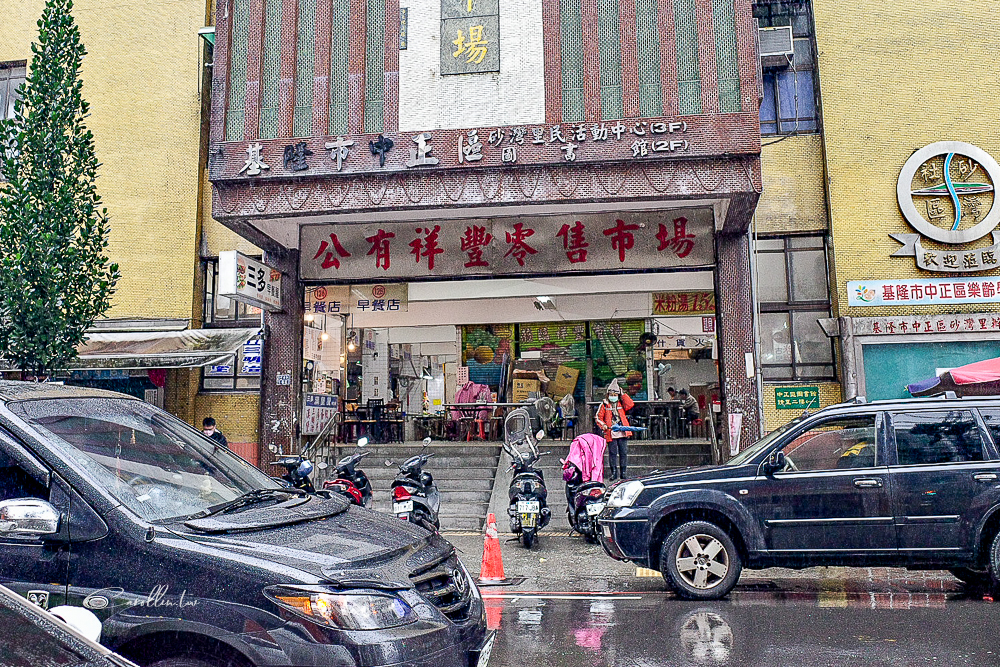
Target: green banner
(796, 398)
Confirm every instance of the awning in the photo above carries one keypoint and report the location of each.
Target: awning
(981, 378)
(191, 348)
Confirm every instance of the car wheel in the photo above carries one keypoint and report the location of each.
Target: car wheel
(700, 561)
(978, 578)
(994, 562)
(195, 660)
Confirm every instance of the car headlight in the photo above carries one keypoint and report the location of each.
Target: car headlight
(625, 494)
(346, 611)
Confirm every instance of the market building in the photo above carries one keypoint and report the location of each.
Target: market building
(448, 185)
(146, 75)
(879, 189)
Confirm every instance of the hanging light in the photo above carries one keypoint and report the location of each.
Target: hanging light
(309, 317)
(324, 336)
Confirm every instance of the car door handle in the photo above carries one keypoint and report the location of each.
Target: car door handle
(867, 483)
(985, 477)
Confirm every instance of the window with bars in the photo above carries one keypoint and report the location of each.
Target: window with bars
(11, 77)
(647, 41)
(789, 95)
(688, 67)
(339, 54)
(305, 68)
(238, 42)
(726, 59)
(271, 71)
(609, 49)
(794, 293)
(571, 47)
(375, 66)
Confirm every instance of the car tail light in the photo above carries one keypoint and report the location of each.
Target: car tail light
(400, 494)
(595, 493)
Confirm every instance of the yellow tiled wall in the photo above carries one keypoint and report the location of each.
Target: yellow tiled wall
(793, 199)
(829, 394)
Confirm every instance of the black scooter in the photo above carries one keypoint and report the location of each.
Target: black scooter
(349, 480)
(584, 502)
(527, 511)
(415, 497)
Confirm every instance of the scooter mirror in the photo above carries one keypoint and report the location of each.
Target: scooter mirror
(362, 442)
(539, 435)
(273, 448)
(322, 465)
(427, 441)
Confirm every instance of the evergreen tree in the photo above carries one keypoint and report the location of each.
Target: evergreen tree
(55, 278)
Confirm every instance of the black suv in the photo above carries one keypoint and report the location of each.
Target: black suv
(192, 557)
(910, 483)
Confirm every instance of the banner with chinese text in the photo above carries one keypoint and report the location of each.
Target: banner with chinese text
(591, 243)
(683, 303)
(924, 291)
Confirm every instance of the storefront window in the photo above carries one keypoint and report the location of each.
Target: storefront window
(794, 293)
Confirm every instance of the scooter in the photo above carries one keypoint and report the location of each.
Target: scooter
(527, 494)
(584, 502)
(298, 467)
(349, 480)
(415, 497)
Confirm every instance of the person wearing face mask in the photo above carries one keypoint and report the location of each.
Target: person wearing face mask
(612, 413)
(209, 429)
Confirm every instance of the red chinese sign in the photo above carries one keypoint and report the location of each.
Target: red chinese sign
(683, 303)
(545, 245)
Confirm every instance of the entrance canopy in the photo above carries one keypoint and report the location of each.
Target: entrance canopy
(191, 348)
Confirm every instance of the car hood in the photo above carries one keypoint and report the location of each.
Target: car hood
(356, 547)
(696, 474)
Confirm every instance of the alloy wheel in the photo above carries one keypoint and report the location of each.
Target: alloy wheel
(702, 561)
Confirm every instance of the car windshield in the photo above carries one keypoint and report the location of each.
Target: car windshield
(752, 451)
(152, 463)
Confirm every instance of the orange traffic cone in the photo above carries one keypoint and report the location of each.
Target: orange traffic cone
(492, 570)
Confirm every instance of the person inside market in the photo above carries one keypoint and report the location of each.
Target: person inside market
(612, 413)
(209, 428)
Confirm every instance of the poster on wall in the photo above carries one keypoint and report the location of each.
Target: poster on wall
(614, 348)
(318, 410)
(487, 350)
(562, 345)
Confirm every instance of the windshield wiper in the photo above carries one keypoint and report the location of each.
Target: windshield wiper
(248, 498)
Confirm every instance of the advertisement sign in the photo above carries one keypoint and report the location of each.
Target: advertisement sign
(345, 299)
(494, 247)
(249, 280)
(683, 303)
(319, 409)
(925, 324)
(251, 362)
(796, 398)
(923, 292)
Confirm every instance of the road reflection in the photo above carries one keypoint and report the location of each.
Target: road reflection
(817, 622)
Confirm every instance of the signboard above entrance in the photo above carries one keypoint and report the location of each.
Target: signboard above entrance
(343, 299)
(589, 243)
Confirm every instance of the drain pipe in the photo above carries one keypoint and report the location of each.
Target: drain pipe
(758, 378)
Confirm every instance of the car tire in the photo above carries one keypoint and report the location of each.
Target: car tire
(971, 577)
(195, 660)
(699, 561)
(994, 563)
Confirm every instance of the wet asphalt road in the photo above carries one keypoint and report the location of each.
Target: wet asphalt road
(576, 607)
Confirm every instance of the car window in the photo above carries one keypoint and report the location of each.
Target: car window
(152, 463)
(992, 419)
(25, 644)
(16, 482)
(940, 436)
(844, 442)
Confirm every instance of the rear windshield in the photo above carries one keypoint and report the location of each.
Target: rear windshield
(152, 463)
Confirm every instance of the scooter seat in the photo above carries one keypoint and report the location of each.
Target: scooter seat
(586, 486)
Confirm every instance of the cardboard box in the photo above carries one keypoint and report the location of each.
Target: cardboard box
(564, 383)
(523, 389)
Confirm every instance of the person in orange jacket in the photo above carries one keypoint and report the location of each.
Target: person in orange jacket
(612, 413)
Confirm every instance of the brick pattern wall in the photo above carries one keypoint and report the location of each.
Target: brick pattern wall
(794, 197)
(829, 394)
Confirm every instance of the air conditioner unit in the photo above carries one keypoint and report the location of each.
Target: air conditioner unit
(776, 48)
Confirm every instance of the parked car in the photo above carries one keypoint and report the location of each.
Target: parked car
(32, 637)
(191, 556)
(910, 483)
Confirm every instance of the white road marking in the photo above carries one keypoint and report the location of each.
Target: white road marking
(515, 596)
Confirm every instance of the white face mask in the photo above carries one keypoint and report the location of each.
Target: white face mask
(613, 399)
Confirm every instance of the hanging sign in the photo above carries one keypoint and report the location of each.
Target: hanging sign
(249, 280)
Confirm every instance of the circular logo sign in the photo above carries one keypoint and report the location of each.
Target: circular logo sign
(320, 294)
(378, 291)
(946, 192)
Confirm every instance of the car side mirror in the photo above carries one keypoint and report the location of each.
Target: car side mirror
(774, 463)
(28, 517)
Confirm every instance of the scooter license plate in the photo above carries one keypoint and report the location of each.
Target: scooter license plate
(403, 507)
(528, 506)
(594, 509)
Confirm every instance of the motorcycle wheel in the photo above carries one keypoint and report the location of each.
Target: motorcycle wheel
(528, 538)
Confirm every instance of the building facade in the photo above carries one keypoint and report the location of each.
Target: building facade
(449, 145)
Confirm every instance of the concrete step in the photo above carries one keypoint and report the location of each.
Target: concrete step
(462, 497)
(440, 474)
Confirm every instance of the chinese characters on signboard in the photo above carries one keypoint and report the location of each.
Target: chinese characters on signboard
(509, 246)
(796, 398)
(344, 299)
(919, 292)
(249, 280)
(243, 372)
(925, 324)
(470, 36)
(318, 410)
(683, 303)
